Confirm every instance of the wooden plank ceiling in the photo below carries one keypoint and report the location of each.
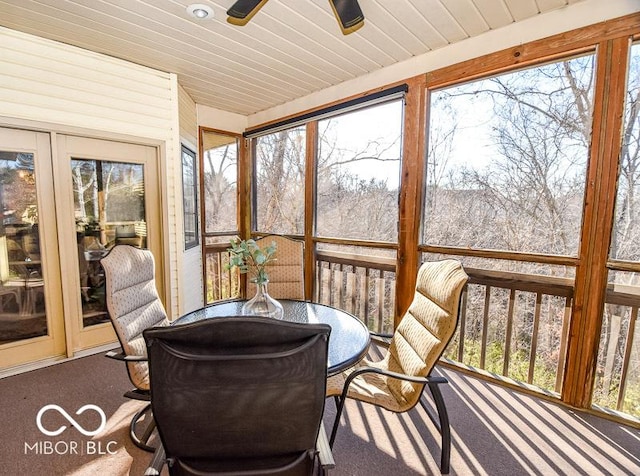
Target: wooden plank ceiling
(290, 48)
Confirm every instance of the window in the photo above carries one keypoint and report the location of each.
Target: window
(109, 203)
(220, 184)
(358, 173)
(190, 198)
(280, 172)
(357, 167)
(507, 160)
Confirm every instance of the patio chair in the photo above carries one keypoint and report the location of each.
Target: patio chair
(397, 381)
(239, 395)
(9, 290)
(134, 305)
(286, 273)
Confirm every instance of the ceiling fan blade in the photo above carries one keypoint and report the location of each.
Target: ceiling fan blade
(243, 10)
(349, 15)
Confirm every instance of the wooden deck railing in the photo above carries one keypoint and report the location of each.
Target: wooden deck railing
(617, 383)
(221, 283)
(514, 325)
(361, 285)
(511, 325)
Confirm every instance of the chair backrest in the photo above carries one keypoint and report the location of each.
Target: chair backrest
(238, 393)
(427, 326)
(286, 273)
(133, 303)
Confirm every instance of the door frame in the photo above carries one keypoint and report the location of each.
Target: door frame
(52, 345)
(72, 146)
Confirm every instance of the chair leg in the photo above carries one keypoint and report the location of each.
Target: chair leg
(142, 441)
(445, 430)
(339, 407)
(157, 462)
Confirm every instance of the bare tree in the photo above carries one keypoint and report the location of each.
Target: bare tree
(531, 185)
(219, 191)
(348, 205)
(280, 170)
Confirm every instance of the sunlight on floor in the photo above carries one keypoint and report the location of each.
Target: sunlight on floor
(116, 458)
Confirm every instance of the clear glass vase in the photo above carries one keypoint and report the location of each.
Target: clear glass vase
(262, 304)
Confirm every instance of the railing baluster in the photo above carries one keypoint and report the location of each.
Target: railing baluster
(627, 357)
(563, 344)
(508, 333)
(611, 349)
(379, 301)
(331, 282)
(485, 327)
(534, 338)
(462, 323)
(216, 283)
(391, 303)
(351, 294)
(322, 288)
(367, 306)
(363, 300)
(317, 289)
(336, 289)
(326, 284)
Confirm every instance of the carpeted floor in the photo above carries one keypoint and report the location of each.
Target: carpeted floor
(496, 431)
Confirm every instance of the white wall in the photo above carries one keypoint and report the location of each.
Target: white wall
(577, 15)
(221, 120)
(191, 287)
(47, 82)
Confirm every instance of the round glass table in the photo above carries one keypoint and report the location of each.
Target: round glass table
(348, 342)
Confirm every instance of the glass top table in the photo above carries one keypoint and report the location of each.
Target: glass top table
(348, 342)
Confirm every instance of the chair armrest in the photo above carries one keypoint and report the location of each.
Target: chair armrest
(384, 339)
(137, 394)
(324, 449)
(381, 335)
(388, 373)
(125, 358)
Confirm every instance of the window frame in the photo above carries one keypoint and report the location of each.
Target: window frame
(190, 184)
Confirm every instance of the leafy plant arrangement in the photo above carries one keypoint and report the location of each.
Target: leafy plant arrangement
(249, 258)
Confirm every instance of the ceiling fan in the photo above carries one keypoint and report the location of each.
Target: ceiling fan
(348, 13)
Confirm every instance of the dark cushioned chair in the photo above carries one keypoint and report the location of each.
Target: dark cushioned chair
(238, 395)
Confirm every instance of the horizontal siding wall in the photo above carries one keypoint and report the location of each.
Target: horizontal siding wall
(188, 119)
(49, 82)
(56, 83)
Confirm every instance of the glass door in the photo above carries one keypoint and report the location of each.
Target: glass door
(57, 219)
(110, 196)
(30, 287)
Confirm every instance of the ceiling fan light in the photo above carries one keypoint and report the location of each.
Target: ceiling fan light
(200, 11)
